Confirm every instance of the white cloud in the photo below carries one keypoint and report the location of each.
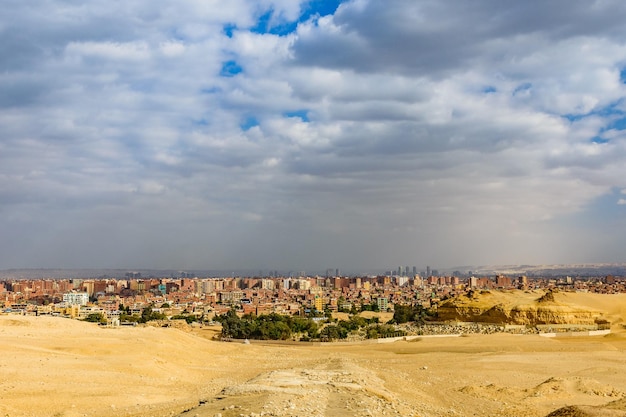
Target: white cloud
(427, 136)
(172, 49)
(132, 51)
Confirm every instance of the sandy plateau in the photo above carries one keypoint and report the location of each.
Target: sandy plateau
(59, 367)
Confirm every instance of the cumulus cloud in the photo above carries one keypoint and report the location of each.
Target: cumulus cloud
(266, 135)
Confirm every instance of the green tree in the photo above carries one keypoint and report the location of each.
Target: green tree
(275, 330)
(333, 332)
(96, 318)
(305, 326)
(383, 330)
(125, 317)
(406, 313)
(187, 317)
(340, 302)
(147, 314)
(231, 324)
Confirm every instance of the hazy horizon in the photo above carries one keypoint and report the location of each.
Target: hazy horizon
(304, 135)
(575, 270)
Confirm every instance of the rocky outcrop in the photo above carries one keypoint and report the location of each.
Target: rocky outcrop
(489, 308)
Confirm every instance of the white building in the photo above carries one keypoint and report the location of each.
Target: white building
(76, 298)
(267, 284)
(402, 281)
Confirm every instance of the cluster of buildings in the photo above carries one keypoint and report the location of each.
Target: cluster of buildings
(205, 297)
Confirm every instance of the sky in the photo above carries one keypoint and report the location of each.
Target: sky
(270, 134)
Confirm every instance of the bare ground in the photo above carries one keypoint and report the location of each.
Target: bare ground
(58, 367)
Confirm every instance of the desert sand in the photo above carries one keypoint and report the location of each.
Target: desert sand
(60, 367)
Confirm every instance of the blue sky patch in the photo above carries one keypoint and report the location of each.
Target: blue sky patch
(618, 124)
(489, 89)
(283, 29)
(319, 7)
(228, 29)
(265, 25)
(302, 114)
(249, 123)
(230, 69)
(607, 111)
(622, 76)
(262, 24)
(599, 139)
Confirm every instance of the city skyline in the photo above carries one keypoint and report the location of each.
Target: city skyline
(305, 135)
(583, 271)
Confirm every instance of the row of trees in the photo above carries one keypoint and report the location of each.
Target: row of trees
(266, 327)
(405, 314)
(147, 314)
(354, 308)
(278, 327)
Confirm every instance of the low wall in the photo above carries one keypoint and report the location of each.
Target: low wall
(576, 334)
(408, 338)
(566, 327)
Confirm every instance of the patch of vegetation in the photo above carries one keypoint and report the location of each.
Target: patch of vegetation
(265, 327)
(147, 314)
(383, 330)
(96, 318)
(187, 317)
(406, 313)
(277, 327)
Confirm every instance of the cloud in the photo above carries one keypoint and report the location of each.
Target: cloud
(431, 38)
(135, 51)
(369, 135)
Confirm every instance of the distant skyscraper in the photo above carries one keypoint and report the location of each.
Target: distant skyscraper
(414, 270)
(427, 271)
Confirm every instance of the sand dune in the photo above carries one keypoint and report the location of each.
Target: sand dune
(58, 367)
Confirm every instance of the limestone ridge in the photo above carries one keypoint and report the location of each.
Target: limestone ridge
(548, 297)
(517, 308)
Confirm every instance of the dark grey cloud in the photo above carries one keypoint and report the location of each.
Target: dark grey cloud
(434, 38)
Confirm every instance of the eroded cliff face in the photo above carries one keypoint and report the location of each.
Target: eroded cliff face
(489, 308)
